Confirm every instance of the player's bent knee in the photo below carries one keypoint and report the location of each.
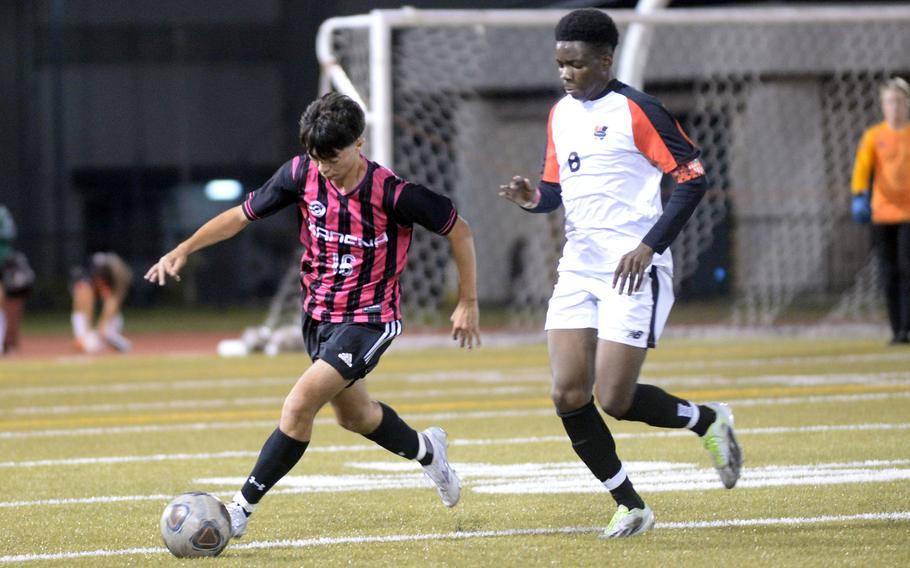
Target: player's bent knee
(357, 422)
(614, 405)
(567, 400)
(296, 411)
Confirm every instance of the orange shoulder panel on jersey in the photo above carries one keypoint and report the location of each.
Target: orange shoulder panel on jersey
(550, 166)
(649, 142)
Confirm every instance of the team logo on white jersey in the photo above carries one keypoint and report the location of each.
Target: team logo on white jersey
(317, 209)
(347, 358)
(600, 132)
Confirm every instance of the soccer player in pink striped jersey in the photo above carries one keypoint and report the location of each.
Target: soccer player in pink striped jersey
(356, 219)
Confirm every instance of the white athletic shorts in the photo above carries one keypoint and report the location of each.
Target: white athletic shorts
(582, 301)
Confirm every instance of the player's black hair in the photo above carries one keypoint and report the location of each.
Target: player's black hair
(329, 124)
(589, 25)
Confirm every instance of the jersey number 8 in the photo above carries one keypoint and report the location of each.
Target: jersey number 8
(574, 162)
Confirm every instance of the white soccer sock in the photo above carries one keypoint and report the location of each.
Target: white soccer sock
(421, 447)
(615, 481)
(80, 325)
(696, 414)
(247, 506)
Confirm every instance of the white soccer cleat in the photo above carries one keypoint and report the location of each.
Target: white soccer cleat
(720, 441)
(118, 342)
(439, 471)
(238, 519)
(626, 522)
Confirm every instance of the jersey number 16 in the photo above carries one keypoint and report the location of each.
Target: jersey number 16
(344, 266)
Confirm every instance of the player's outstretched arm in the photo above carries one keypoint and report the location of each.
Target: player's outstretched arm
(466, 317)
(217, 229)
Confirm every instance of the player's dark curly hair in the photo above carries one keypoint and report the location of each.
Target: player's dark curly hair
(329, 124)
(589, 25)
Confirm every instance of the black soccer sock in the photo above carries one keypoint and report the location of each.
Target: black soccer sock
(656, 407)
(592, 441)
(279, 454)
(395, 435)
(706, 417)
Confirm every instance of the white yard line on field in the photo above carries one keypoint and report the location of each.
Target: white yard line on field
(176, 385)
(765, 361)
(434, 416)
(467, 535)
(241, 402)
(881, 379)
(820, 428)
(526, 374)
(244, 424)
(875, 379)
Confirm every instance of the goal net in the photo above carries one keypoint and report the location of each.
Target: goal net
(776, 97)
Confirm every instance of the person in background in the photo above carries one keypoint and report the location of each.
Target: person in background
(106, 279)
(16, 281)
(881, 194)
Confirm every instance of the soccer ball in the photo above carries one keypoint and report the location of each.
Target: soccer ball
(195, 524)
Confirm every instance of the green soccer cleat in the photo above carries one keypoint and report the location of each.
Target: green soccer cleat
(720, 441)
(629, 523)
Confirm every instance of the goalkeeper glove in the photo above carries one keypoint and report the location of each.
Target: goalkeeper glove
(862, 213)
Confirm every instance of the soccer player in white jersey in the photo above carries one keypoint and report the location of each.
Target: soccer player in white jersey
(608, 146)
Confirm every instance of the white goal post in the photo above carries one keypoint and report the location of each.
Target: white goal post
(777, 97)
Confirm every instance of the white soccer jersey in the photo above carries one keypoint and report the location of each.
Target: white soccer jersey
(608, 156)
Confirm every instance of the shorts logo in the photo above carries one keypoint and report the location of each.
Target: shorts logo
(635, 334)
(347, 358)
(317, 209)
(600, 132)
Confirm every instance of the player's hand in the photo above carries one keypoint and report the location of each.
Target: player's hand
(466, 324)
(169, 265)
(518, 191)
(631, 268)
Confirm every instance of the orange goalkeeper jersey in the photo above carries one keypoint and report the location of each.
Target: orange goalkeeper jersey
(883, 161)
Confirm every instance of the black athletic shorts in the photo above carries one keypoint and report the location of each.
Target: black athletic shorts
(353, 349)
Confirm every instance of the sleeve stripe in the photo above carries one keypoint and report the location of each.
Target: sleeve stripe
(550, 165)
(247, 209)
(294, 165)
(450, 224)
(648, 140)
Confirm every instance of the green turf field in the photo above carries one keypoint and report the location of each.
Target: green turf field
(90, 452)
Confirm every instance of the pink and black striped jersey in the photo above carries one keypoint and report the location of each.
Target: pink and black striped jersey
(355, 245)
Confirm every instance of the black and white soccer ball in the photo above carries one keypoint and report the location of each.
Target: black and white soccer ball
(195, 524)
